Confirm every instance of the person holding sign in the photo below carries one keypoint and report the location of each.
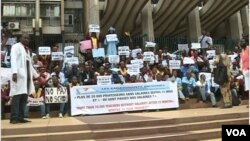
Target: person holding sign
(55, 84)
(204, 87)
(111, 43)
(123, 70)
(22, 79)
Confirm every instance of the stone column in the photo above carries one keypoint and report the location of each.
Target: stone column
(91, 12)
(245, 19)
(37, 18)
(147, 22)
(194, 25)
(235, 26)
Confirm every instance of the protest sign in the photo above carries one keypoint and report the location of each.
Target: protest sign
(123, 50)
(57, 56)
(114, 59)
(150, 44)
(69, 51)
(138, 62)
(188, 60)
(6, 75)
(135, 51)
(56, 95)
(195, 45)
(104, 80)
(72, 61)
(207, 75)
(85, 45)
(111, 38)
(148, 56)
(211, 53)
(11, 41)
(133, 69)
(44, 51)
(183, 47)
(99, 52)
(175, 64)
(113, 98)
(36, 99)
(94, 28)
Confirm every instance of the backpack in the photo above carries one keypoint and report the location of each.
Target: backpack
(220, 73)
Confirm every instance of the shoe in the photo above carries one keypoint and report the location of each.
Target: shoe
(44, 117)
(214, 106)
(227, 106)
(47, 116)
(14, 121)
(60, 115)
(24, 121)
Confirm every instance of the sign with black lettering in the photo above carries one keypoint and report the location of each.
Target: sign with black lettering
(56, 95)
(235, 132)
(175, 64)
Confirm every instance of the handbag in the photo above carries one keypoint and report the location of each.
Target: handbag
(220, 73)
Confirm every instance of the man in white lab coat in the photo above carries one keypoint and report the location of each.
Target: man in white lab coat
(22, 79)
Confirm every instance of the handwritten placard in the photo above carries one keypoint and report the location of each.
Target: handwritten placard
(84, 45)
(44, 50)
(150, 44)
(207, 75)
(94, 28)
(114, 59)
(188, 60)
(98, 52)
(175, 64)
(195, 45)
(135, 51)
(133, 69)
(56, 95)
(72, 61)
(138, 62)
(123, 50)
(57, 56)
(111, 38)
(211, 53)
(35, 101)
(183, 47)
(104, 80)
(69, 51)
(148, 56)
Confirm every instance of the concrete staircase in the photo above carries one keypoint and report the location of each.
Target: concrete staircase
(196, 127)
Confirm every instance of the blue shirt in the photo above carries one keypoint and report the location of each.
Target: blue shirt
(190, 81)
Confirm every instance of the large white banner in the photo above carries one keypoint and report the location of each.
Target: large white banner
(56, 95)
(94, 99)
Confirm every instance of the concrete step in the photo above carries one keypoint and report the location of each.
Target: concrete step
(118, 125)
(100, 134)
(54, 136)
(179, 136)
(120, 133)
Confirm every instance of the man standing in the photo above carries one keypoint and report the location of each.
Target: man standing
(22, 79)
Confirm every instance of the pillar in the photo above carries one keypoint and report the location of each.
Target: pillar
(37, 18)
(235, 26)
(194, 25)
(245, 19)
(147, 22)
(91, 13)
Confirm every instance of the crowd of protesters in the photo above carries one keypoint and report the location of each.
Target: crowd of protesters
(189, 83)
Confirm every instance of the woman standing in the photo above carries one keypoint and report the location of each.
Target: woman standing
(244, 60)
